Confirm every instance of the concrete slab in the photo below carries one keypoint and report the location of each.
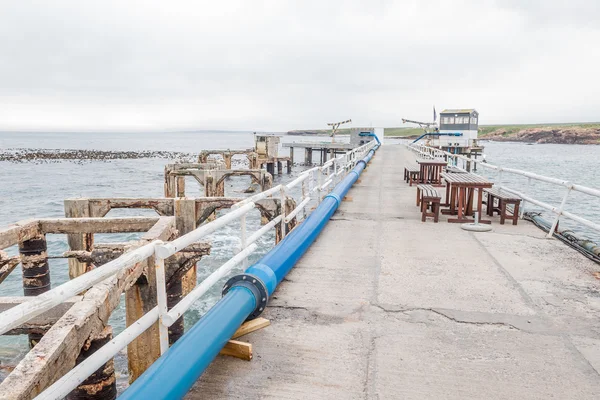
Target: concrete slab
(384, 306)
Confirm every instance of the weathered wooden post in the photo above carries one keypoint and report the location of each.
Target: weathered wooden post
(36, 272)
(185, 221)
(170, 182)
(227, 158)
(279, 167)
(102, 384)
(181, 186)
(292, 154)
(78, 208)
(140, 299)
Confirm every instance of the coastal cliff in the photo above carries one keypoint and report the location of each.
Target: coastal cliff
(548, 134)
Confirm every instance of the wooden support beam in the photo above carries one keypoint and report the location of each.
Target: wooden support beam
(251, 326)
(7, 264)
(237, 349)
(42, 322)
(97, 225)
(21, 231)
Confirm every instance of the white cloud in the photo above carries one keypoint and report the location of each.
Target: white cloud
(277, 65)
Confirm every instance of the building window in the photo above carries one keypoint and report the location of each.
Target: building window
(473, 120)
(448, 120)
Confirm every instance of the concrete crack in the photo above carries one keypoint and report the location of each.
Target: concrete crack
(440, 313)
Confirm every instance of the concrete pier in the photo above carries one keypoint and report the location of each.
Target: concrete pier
(384, 306)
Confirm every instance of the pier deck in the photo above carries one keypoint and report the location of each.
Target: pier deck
(384, 306)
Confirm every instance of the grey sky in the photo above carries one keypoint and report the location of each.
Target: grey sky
(277, 65)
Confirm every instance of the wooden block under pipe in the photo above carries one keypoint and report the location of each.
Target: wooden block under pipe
(251, 326)
(235, 348)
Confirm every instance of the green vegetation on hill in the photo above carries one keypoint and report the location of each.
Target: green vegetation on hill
(402, 132)
(513, 129)
(487, 129)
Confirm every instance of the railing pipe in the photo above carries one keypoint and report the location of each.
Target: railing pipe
(262, 231)
(22, 313)
(299, 208)
(256, 197)
(168, 249)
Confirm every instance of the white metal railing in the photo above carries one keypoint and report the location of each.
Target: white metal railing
(430, 152)
(311, 181)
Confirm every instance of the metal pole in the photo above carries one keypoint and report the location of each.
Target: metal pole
(560, 210)
(161, 297)
(243, 239)
(282, 213)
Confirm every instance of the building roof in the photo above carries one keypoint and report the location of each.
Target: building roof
(458, 111)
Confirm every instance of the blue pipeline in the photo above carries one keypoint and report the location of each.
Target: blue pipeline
(436, 134)
(370, 134)
(174, 373)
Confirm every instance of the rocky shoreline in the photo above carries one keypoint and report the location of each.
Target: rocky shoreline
(39, 156)
(557, 135)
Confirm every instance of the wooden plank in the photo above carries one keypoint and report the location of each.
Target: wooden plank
(9, 236)
(237, 349)
(251, 326)
(97, 225)
(15, 233)
(99, 207)
(41, 323)
(7, 265)
(164, 227)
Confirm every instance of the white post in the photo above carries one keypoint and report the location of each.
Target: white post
(161, 297)
(303, 198)
(243, 239)
(319, 173)
(282, 212)
(522, 210)
(560, 210)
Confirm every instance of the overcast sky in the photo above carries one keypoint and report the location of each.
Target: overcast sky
(275, 65)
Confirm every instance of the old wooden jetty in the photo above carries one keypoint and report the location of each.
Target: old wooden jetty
(382, 305)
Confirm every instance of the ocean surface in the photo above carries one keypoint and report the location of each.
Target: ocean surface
(37, 189)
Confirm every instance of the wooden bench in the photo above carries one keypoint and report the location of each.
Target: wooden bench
(412, 174)
(428, 196)
(504, 199)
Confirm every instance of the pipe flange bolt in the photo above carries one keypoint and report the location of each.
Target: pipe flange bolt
(256, 286)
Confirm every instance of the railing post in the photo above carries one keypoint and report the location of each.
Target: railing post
(243, 239)
(303, 198)
(560, 210)
(319, 178)
(282, 191)
(161, 297)
(522, 210)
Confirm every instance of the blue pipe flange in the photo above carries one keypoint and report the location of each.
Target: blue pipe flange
(255, 285)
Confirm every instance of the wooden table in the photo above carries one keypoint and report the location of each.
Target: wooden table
(431, 171)
(455, 170)
(460, 194)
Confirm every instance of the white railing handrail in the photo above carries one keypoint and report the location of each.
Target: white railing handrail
(168, 249)
(558, 211)
(18, 315)
(161, 251)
